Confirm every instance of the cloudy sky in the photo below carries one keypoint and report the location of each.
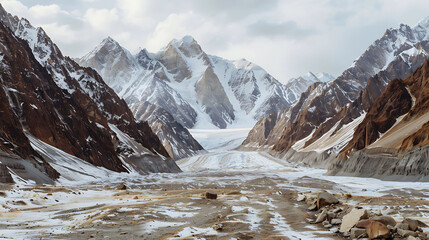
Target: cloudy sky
(287, 38)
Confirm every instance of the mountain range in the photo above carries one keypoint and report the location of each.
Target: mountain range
(330, 119)
(182, 87)
(60, 120)
(112, 112)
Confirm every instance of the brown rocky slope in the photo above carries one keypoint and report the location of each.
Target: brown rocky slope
(66, 106)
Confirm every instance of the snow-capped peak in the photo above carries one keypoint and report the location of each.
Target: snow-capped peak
(186, 41)
(423, 23)
(144, 53)
(108, 44)
(325, 77)
(245, 64)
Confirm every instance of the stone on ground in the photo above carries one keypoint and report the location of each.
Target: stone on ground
(386, 220)
(414, 224)
(352, 218)
(211, 195)
(377, 230)
(325, 198)
(357, 232)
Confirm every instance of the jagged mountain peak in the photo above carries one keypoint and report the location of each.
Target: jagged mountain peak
(108, 43)
(310, 76)
(247, 65)
(187, 45)
(423, 23)
(325, 77)
(186, 40)
(110, 50)
(175, 77)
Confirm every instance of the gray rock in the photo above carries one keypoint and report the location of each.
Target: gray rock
(414, 224)
(336, 221)
(406, 233)
(322, 216)
(326, 224)
(357, 233)
(403, 226)
(325, 198)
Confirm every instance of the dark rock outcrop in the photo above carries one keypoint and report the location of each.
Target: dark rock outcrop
(51, 98)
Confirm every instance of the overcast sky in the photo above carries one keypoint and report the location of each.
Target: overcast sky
(287, 38)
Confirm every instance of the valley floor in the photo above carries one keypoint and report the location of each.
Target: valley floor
(256, 199)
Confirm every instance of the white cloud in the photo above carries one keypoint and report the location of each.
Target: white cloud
(286, 37)
(45, 11)
(101, 19)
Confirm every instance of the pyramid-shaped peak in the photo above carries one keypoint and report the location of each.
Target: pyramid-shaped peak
(187, 45)
(144, 53)
(109, 40)
(188, 39)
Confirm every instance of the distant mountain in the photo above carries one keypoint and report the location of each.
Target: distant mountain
(192, 89)
(62, 117)
(323, 120)
(197, 89)
(300, 84)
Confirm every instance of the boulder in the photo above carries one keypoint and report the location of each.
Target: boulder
(377, 229)
(406, 233)
(352, 218)
(325, 198)
(322, 216)
(414, 224)
(336, 221)
(411, 238)
(386, 220)
(357, 233)
(211, 195)
(337, 210)
(326, 224)
(403, 226)
(121, 186)
(364, 223)
(331, 215)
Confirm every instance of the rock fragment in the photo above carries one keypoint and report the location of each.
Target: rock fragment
(357, 233)
(325, 198)
(211, 195)
(352, 218)
(414, 224)
(377, 229)
(322, 216)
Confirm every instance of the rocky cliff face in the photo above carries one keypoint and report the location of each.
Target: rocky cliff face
(332, 110)
(49, 97)
(398, 117)
(176, 139)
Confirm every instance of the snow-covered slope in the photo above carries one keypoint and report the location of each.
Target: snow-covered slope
(71, 108)
(322, 119)
(197, 89)
(300, 84)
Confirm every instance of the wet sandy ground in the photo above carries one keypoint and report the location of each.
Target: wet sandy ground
(250, 205)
